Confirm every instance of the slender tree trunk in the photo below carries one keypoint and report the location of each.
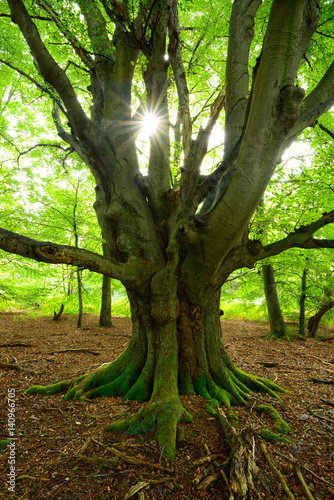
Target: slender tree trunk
(301, 330)
(105, 311)
(79, 279)
(313, 322)
(277, 324)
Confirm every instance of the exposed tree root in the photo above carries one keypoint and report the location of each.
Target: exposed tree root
(163, 416)
(131, 376)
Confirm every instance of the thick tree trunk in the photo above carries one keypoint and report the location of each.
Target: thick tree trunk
(176, 348)
(301, 329)
(277, 324)
(313, 322)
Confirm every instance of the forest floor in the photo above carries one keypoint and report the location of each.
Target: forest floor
(62, 451)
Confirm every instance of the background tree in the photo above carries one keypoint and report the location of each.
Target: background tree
(276, 320)
(174, 237)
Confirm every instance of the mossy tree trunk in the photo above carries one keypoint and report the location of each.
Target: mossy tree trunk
(276, 320)
(173, 243)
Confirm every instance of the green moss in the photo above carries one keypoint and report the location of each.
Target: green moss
(49, 389)
(3, 444)
(279, 424)
(180, 434)
(271, 436)
(233, 418)
(185, 383)
(165, 415)
(210, 409)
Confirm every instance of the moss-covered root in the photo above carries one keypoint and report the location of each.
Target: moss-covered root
(161, 415)
(279, 424)
(275, 335)
(49, 389)
(258, 384)
(119, 378)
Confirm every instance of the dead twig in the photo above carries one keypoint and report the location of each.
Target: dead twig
(14, 366)
(206, 459)
(327, 402)
(322, 418)
(318, 359)
(16, 344)
(136, 461)
(109, 463)
(277, 473)
(209, 480)
(79, 349)
(321, 381)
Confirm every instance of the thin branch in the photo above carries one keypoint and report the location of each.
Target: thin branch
(36, 83)
(81, 52)
(325, 129)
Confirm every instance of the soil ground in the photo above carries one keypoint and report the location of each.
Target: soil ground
(56, 439)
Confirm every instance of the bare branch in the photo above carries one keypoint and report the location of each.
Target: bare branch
(325, 129)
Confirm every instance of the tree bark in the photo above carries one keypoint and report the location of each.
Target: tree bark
(176, 348)
(167, 255)
(106, 293)
(80, 303)
(105, 311)
(301, 329)
(276, 321)
(313, 322)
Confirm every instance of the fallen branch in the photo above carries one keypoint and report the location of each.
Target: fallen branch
(242, 465)
(327, 402)
(31, 478)
(315, 357)
(12, 366)
(321, 381)
(303, 484)
(306, 468)
(209, 480)
(16, 344)
(206, 459)
(109, 463)
(142, 484)
(322, 418)
(276, 471)
(73, 350)
(137, 461)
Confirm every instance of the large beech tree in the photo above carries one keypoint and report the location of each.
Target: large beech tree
(173, 238)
